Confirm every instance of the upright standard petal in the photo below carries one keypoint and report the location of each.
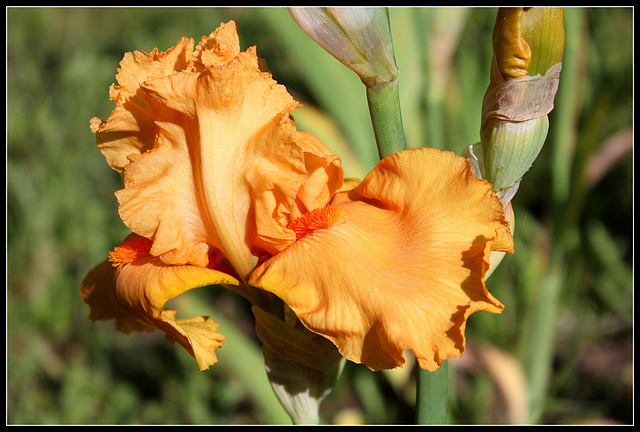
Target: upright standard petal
(130, 128)
(217, 163)
(133, 288)
(400, 265)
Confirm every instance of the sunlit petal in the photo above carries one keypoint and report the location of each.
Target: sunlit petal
(209, 154)
(134, 296)
(404, 265)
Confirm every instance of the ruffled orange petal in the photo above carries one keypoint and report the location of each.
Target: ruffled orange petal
(134, 295)
(325, 174)
(130, 128)
(222, 166)
(402, 268)
(281, 194)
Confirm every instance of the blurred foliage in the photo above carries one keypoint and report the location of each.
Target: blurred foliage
(567, 288)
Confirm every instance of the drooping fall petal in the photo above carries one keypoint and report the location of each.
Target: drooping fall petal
(134, 295)
(209, 154)
(403, 266)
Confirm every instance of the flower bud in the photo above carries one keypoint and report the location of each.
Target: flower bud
(359, 38)
(525, 72)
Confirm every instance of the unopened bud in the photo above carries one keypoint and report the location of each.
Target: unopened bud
(359, 38)
(525, 72)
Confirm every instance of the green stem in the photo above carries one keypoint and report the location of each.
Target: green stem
(431, 396)
(384, 107)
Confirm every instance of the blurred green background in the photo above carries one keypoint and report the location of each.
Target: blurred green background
(560, 353)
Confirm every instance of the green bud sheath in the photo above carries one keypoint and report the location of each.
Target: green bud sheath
(525, 72)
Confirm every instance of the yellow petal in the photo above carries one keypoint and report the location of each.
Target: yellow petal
(403, 267)
(134, 296)
(512, 52)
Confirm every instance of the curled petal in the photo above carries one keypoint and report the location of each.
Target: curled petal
(513, 54)
(219, 48)
(130, 128)
(134, 296)
(190, 191)
(215, 161)
(303, 177)
(403, 267)
(325, 174)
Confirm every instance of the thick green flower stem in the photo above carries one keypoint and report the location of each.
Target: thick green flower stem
(431, 396)
(384, 107)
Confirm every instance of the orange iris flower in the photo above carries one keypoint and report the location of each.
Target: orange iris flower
(220, 188)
